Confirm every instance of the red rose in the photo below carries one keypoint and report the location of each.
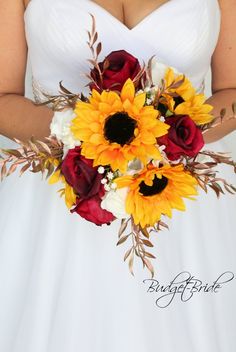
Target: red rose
(117, 67)
(86, 182)
(80, 174)
(183, 137)
(90, 209)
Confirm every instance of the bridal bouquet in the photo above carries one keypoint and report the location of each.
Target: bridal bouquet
(131, 150)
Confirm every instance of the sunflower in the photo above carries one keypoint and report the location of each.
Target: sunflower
(156, 191)
(185, 90)
(116, 128)
(187, 102)
(196, 109)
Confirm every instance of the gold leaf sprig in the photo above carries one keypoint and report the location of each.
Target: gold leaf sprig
(96, 49)
(65, 99)
(149, 75)
(140, 78)
(163, 90)
(140, 242)
(33, 155)
(217, 121)
(206, 175)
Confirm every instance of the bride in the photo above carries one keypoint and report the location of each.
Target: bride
(63, 286)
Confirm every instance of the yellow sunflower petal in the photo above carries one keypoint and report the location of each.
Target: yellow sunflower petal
(139, 100)
(128, 91)
(55, 177)
(196, 109)
(70, 197)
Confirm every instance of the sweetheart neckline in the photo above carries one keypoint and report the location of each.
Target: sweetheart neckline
(145, 18)
(122, 25)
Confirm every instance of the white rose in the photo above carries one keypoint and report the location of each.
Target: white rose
(114, 202)
(159, 70)
(60, 127)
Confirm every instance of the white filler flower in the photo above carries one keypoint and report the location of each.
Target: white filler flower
(101, 170)
(60, 127)
(114, 202)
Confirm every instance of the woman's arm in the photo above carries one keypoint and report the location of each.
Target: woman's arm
(19, 117)
(224, 72)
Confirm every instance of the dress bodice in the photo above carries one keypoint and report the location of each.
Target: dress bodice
(181, 33)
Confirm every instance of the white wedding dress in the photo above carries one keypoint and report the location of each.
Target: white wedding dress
(63, 284)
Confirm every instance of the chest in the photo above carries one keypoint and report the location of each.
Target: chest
(130, 12)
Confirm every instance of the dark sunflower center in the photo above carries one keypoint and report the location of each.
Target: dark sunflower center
(159, 184)
(119, 128)
(162, 108)
(178, 100)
